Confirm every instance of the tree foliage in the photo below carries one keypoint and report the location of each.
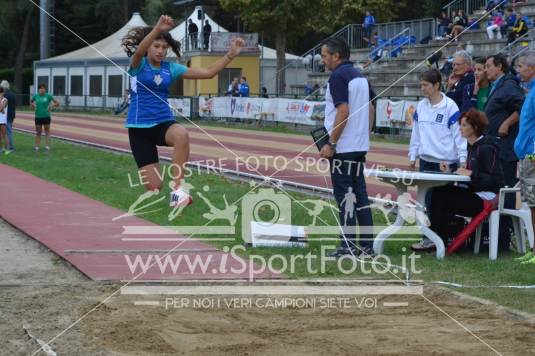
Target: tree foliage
(288, 25)
(337, 13)
(286, 21)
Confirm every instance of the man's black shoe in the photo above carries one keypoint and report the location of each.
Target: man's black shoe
(343, 251)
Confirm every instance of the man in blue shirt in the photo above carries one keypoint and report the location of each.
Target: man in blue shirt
(463, 78)
(244, 87)
(502, 110)
(347, 122)
(369, 22)
(525, 141)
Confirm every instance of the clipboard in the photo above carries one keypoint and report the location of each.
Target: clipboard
(320, 137)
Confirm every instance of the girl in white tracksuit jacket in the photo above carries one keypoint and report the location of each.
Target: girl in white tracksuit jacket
(435, 133)
(436, 138)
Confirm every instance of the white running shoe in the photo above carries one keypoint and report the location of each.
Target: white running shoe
(180, 197)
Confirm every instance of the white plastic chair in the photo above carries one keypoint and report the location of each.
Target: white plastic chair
(522, 225)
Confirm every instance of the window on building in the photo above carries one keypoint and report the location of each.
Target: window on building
(115, 85)
(59, 85)
(42, 80)
(77, 82)
(95, 85)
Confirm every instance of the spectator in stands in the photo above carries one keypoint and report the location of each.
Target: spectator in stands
(435, 137)
(510, 19)
(11, 112)
(476, 95)
(264, 93)
(520, 28)
(495, 5)
(234, 87)
(444, 24)
(193, 32)
(460, 21)
(502, 110)
(463, 76)
(490, 5)
(484, 170)
(368, 24)
(243, 88)
(463, 16)
(376, 51)
(206, 32)
(447, 67)
(495, 25)
(525, 141)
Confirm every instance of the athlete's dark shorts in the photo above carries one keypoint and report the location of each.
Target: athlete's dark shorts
(42, 120)
(143, 142)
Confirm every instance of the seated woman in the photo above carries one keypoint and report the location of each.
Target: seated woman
(460, 21)
(444, 24)
(484, 169)
(495, 25)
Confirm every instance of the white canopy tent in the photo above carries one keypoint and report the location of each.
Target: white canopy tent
(96, 75)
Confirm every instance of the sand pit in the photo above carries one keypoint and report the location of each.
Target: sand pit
(47, 294)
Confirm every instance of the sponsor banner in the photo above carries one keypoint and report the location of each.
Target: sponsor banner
(181, 107)
(282, 110)
(220, 41)
(395, 113)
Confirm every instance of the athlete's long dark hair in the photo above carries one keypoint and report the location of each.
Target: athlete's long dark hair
(134, 37)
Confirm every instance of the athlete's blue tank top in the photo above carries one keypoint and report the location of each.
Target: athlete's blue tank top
(149, 89)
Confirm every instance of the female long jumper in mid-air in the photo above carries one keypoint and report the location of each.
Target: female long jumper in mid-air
(150, 121)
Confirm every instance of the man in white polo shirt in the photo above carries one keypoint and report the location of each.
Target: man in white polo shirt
(347, 121)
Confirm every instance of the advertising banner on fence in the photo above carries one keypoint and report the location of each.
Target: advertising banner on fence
(181, 106)
(302, 112)
(220, 41)
(395, 113)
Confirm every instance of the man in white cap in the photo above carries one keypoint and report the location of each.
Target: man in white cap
(12, 103)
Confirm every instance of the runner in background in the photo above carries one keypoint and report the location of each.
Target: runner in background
(42, 102)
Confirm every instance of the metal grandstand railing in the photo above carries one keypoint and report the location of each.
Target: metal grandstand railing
(392, 46)
(521, 44)
(354, 36)
(420, 28)
(468, 6)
